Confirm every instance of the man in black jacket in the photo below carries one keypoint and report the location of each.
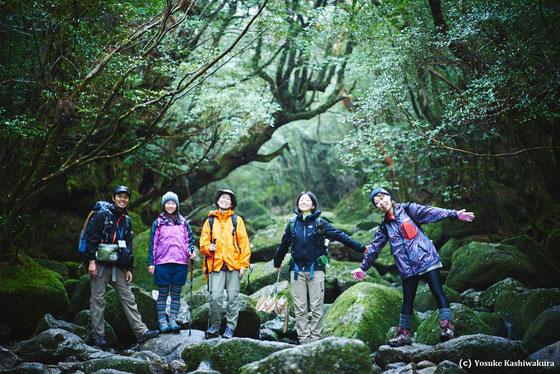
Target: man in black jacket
(111, 232)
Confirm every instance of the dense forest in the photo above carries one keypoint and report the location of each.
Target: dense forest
(448, 103)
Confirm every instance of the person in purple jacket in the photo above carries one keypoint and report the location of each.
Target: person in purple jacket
(170, 249)
(415, 256)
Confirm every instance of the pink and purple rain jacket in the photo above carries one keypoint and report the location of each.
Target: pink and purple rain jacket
(171, 242)
(412, 256)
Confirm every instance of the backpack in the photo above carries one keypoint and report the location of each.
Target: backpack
(233, 232)
(99, 206)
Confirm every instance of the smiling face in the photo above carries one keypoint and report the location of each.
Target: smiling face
(121, 200)
(305, 204)
(224, 202)
(383, 202)
(170, 207)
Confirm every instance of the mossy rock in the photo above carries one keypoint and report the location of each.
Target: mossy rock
(70, 286)
(385, 261)
(114, 314)
(228, 355)
(29, 291)
(365, 311)
(119, 364)
(250, 209)
(49, 322)
(354, 206)
(424, 300)
(494, 322)
(249, 321)
(553, 244)
(262, 222)
(329, 355)
(509, 303)
(265, 241)
(262, 274)
(465, 322)
(548, 268)
(80, 297)
(141, 276)
(434, 231)
(446, 252)
(55, 266)
(74, 269)
(488, 297)
(543, 331)
(83, 319)
(479, 265)
(471, 299)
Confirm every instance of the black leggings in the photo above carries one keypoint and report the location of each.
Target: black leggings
(411, 284)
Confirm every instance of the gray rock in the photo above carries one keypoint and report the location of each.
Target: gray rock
(118, 362)
(547, 355)
(52, 346)
(449, 367)
(330, 355)
(277, 326)
(177, 366)
(29, 368)
(488, 297)
(80, 297)
(171, 346)
(83, 319)
(157, 363)
(543, 330)
(8, 359)
(472, 299)
(49, 322)
(387, 354)
(228, 355)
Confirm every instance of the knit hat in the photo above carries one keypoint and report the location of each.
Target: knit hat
(170, 196)
(376, 191)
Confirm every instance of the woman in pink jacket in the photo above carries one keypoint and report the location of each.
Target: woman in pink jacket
(170, 249)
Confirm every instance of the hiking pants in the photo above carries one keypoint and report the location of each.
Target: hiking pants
(303, 287)
(97, 302)
(230, 280)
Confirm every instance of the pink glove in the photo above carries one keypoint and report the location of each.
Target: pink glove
(465, 216)
(358, 274)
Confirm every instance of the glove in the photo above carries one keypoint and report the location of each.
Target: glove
(358, 274)
(465, 216)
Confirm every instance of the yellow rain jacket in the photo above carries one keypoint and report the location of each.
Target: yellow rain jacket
(227, 250)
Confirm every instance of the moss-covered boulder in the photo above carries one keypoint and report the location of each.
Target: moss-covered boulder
(265, 241)
(80, 297)
(229, 355)
(118, 364)
(479, 265)
(494, 322)
(55, 266)
(553, 244)
(142, 277)
(52, 346)
(488, 297)
(447, 250)
(250, 209)
(424, 300)
(471, 298)
(548, 274)
(345, 279)
(29, 291)
(70, 286)
(74, 269)
(543, 330)
(549, 354)
(365, 311)
(330, 355)
(465, 322)
(385, 261)
(114, 314)
(263, 274)
(83, 319)
(354, 206)
(249, 321)
(49, 322)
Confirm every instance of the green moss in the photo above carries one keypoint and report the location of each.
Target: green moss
(385, 261)
(465, 322)
(141, 276)
(365, 311)
(425, 301)
(488, 297)
(55, 266)
(228, 356)
(354, 206)
(265, 241)
(494, 322)
(119, 363)
(542, 331)
(74, 269)
(479, 265)
(29, 287)
(446, 252)
(263, 274)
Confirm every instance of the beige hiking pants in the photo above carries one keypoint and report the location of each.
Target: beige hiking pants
(315, 288)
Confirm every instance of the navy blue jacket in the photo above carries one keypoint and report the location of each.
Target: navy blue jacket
(122, 231)
(306, 246)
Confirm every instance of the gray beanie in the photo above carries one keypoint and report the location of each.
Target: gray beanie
(170, 196)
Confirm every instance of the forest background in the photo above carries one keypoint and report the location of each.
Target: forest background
(454, 104)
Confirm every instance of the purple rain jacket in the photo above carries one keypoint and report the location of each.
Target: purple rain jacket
(412, 256)
(171, 242)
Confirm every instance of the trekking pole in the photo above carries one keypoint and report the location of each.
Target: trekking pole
(191, 306)
(210, 276)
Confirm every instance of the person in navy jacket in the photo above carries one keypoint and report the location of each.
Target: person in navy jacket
(305, 234)
(415, 256)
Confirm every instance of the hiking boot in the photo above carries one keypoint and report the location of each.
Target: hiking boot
(173, 326)
(213, 332)
(163, 325)
(403, 338)
(100, 342)
(147, 335)
(228, 334)
(446, 330)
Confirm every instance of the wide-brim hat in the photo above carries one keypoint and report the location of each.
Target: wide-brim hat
(230, 193)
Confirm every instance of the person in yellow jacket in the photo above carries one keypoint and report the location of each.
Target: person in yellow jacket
(225, 246)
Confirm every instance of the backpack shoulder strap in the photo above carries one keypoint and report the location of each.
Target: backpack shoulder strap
(292, 226)
(234, 231)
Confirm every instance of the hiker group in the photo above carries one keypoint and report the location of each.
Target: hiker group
(106, 247)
